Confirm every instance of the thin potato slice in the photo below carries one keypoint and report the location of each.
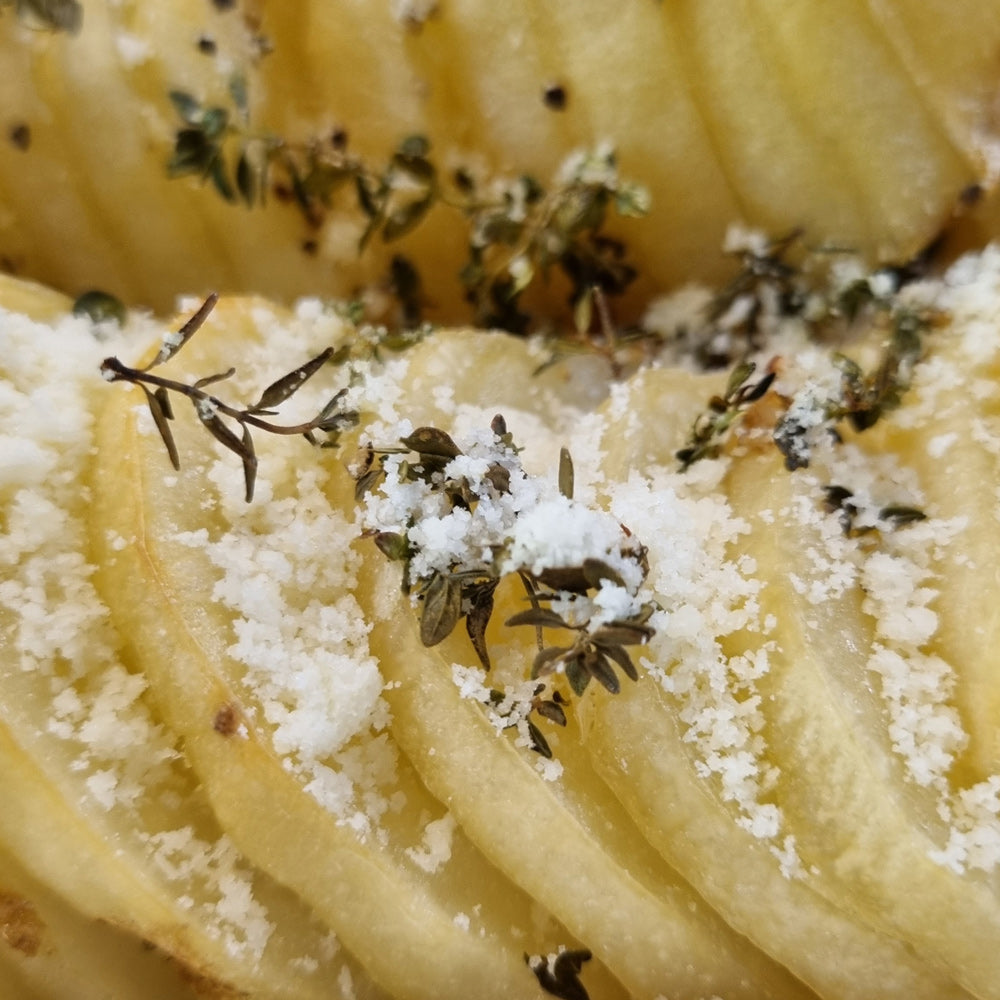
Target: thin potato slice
(48, 949)
(843, 803)
(748, 109)
(859, 100)
(952, 439)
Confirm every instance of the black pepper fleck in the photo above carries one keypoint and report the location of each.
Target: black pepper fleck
(207, 45)
(223, 4)
(338, 139)
(971, 195)
(555, 97)
(310, 247)
(20, 135)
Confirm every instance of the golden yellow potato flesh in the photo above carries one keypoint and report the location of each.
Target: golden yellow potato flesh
(863, 125)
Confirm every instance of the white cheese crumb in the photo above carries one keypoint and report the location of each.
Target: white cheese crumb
(436, 849)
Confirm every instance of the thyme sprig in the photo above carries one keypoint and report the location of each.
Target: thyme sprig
(710, 427)
(863, 398)
(768, 287)
(462, 587)
(214, 413)
(518, 231)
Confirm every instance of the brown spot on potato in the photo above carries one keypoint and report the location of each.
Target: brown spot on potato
(20, 925)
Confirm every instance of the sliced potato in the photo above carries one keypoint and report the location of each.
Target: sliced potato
(644, 742)
(418, 930)
(864, 125)
(49, 949)
(99, 803)
(843, 802)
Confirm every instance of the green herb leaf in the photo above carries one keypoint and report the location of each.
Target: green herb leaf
(277, 392)
(442, 609)
(173, 343)
(188, 107)
(433, 442)
(565, 473)
(547, 659)
(538, 617)
(560, 976)
(392, 544)
(406, 218)
(900, 515)
(596, 664)
(596, 571)
(161, 418)
(477, 618)
(538, 741)
(621, 657)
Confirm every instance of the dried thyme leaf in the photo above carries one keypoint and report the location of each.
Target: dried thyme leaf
(160, 409)
(546, 660)
(622, 634)
(429, 441)
(551, 710)
(560, 975)
(538, 741)
(210, 419)
(477, 618)
(566, 473)
(596, 664)
(392, 544)
(577, 673)
(596, 571)
(406, 218)
(212, 379)
(539, 617)
(899, 515)
(249, 457)
(175, 341)
(367, 482)
(621, 657)
(442, 609)
(277, 392)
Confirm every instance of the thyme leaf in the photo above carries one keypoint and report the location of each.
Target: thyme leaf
(100, 306)
(709, 429)
(559, 975)
(839, 500)
(442, 608)
(212, 412)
